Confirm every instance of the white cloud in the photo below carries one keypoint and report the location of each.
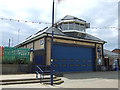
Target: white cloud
(99, 13)
(0, 39)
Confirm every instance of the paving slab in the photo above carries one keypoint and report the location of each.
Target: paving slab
(91, 80)
(108, 79)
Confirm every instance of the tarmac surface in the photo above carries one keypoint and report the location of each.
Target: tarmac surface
(108, 79)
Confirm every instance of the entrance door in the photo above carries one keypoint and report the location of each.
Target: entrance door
(39, 57)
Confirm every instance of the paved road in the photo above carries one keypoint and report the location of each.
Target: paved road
(77, 80)
(91, 80)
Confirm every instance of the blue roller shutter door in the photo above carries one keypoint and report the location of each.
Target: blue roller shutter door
(73, 58)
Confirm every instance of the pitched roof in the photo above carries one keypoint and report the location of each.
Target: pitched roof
(110, 54)
(69, 17)
(45, 31)
(57, 31)
(82, 35)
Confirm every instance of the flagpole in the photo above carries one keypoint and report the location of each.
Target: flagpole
(53, 16)
(53, 13)
(52, 42)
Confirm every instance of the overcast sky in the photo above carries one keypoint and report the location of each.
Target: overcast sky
(99, 13)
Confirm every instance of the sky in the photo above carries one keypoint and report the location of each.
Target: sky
(99, 13)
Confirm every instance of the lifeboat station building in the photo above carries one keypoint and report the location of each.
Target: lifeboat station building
(70, 49)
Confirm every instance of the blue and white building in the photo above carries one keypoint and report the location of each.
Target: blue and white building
(72, 48)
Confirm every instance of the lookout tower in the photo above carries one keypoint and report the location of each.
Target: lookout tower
(73, 23)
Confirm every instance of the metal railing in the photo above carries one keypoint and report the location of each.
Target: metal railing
(39, 71)
(42, 70)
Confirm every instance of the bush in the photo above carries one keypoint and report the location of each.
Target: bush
(16, 61)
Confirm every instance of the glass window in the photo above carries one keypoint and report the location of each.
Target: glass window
(81, 27)
(76, 26)
(71, 26)
(64, 26)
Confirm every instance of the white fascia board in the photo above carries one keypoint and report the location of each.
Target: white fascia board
(76, 39)
(81, 22)
(73, 31)
(32, 39)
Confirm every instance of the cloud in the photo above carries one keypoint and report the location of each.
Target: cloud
(105, 14)
(98, 13)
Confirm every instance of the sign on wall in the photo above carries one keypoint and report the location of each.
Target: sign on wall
(42, 43)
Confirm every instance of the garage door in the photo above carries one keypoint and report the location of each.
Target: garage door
(73, 58)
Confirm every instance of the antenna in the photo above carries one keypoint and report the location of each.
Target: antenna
(18, 35)
(12, 41)
(9, 43)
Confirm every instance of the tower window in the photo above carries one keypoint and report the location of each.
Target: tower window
(72, 26)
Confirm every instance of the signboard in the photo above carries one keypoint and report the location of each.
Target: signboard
(42, 43)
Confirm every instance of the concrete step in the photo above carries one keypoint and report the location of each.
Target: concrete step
(26, 81)
(55, 82)
(20, 82)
